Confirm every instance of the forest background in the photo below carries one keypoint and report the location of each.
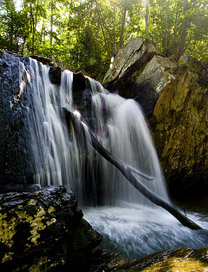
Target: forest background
(85, 35)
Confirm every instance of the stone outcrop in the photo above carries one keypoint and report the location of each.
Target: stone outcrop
(180, 131)
(44, 231)
(173, 97)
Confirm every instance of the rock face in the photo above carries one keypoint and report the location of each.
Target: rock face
(13, 140)
(174, 99)
(44, 231)
(180, 130)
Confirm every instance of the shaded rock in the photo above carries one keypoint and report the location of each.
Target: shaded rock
(55, 75)
(180, 131)
(13, 140)
(43, 60)
(44, 231)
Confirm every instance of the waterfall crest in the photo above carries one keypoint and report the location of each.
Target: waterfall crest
(65, 158)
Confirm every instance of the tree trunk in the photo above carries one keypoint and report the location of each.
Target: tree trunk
(183, 31)
(51, 37)
(166, 25)
(33, 29)
(129, 174)
(147, 23)
(122, 28)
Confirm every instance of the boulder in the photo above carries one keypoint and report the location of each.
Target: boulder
(140, 72)
(44, 231)
(134, 54)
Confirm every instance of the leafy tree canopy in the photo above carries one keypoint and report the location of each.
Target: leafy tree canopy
(85, 34)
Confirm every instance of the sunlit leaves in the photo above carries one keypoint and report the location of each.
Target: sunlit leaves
(87, 33)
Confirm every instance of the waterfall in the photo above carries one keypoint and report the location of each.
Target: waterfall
(65, 158)
(56, 154)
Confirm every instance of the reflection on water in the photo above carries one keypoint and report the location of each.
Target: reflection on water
(137, 231)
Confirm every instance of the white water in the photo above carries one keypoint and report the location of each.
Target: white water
(60, 157)
(123, 131)
(137, 230)
(65, 158)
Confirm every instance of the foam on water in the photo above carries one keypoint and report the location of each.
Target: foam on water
(139, 230)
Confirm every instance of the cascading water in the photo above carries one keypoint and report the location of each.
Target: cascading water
(63, 157)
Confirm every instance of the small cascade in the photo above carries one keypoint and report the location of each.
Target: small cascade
(60, 157)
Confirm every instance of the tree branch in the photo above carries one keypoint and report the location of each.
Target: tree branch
(129, 174)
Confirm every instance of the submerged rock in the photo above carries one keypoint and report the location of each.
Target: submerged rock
(44, 231)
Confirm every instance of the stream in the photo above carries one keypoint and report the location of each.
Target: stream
(135, 231)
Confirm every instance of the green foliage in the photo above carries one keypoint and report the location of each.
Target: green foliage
(85, 34)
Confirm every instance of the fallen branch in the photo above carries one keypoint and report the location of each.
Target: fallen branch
(129, 173)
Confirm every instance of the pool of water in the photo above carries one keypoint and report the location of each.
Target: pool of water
(135, 231)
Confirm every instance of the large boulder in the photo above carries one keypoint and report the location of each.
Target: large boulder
(44, 231)
(140, 72)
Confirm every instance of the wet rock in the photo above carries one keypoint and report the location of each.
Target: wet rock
(55, 75)
(44, 231)
(13, 140)
(16, 169)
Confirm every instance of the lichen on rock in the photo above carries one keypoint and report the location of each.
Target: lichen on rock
(43, 230)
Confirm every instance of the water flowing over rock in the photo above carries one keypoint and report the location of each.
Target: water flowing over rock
(174, 98)
(58, 156)
(38, 149)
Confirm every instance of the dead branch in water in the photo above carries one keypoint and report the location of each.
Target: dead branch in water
(129, 174)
